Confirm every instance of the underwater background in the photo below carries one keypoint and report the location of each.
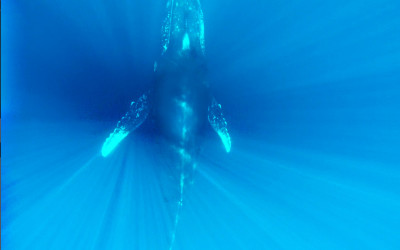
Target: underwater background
(311, 93)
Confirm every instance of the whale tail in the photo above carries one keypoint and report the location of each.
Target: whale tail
(219, 124)
(136, 115)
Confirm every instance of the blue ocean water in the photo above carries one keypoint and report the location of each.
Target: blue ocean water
(311, 93)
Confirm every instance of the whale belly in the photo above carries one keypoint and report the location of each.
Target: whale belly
(181, 110)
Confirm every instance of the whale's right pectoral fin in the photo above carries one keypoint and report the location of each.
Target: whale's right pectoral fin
(135, 116)
(219, 124)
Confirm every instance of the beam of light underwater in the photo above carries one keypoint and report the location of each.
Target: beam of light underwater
(315, 162)
(63, 195)
(60, 197)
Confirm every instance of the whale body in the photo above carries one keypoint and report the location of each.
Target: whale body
(180, 102)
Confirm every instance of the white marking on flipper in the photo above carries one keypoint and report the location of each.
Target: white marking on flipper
(112, 141)
(219, 124)
(135, 116)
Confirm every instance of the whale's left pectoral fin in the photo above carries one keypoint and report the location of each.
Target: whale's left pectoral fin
(219, 124)
(136, 115)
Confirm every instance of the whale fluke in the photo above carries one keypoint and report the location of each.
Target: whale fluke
(135, 116)
(219, 124)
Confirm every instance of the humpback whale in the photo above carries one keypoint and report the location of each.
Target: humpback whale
(179, 102)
